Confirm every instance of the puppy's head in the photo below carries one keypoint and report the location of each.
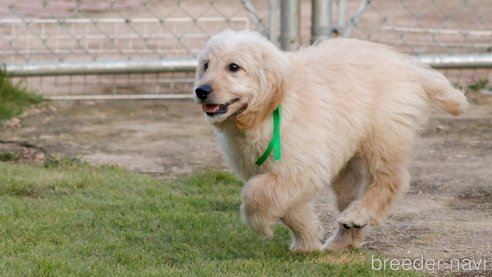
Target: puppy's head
(240, 77)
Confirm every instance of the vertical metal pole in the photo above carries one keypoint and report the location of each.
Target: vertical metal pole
(330, 16)
(290, 24)
(341, 17)
(320, 20)
(273, 22)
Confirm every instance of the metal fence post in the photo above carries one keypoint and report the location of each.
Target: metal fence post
(290, 24)
(341, 17)
(273, 21)
(320, 20)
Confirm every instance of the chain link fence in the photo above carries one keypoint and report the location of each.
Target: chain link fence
(435, 30)
(151, 44)
(424, 26)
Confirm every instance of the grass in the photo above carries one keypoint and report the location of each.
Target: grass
(69, 218)
(13, 98)
(478, 85)
(8, 156)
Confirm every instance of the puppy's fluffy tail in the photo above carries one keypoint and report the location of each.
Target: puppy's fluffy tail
(442, 92)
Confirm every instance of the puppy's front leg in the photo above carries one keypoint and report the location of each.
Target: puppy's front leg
(306, 228)
(266, 198)
(260, 209)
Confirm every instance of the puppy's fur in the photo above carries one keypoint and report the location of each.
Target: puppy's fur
(351, 111)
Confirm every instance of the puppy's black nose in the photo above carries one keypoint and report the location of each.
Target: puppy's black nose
(203, 91)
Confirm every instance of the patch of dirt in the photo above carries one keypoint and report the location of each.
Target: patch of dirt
(155, 137)
(446, 214)
(21, 152)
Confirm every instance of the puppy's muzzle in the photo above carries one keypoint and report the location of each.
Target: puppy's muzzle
(203, 91)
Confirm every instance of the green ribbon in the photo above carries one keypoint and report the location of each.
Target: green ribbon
(275, 142)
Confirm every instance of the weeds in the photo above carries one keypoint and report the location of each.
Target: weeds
(13, 98)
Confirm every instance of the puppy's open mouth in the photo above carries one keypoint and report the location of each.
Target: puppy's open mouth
(216, 109)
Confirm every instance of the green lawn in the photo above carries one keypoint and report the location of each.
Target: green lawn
(70, 218)
(13, 98)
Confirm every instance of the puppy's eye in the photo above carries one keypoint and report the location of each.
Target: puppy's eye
(234, 67)
(205, 66)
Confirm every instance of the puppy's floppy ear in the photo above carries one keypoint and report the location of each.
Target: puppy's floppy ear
(270, 77)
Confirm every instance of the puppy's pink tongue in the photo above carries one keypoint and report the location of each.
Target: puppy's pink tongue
(210, 108)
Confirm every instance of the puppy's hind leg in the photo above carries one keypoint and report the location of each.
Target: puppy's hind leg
(348, 186)
(387, 164)
(306, 228)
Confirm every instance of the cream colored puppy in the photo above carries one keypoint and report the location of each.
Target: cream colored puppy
(350, 112)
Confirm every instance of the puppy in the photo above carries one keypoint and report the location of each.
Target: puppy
(350, 112)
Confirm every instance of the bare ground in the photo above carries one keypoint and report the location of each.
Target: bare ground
(446, 214)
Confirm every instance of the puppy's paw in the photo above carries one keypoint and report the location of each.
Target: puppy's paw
(354, 217)
(343, 240)
(334, 245)
(260, 223)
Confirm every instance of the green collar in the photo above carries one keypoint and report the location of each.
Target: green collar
(275, 142)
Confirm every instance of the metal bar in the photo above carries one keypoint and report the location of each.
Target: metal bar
(330, 16)
(120, 97)
(100, 67)
(189, 65)
(290, 24)
(341, 16)
(464, 61)
(121, 20)
(437, 31)
(320, 20)
(273, 21)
